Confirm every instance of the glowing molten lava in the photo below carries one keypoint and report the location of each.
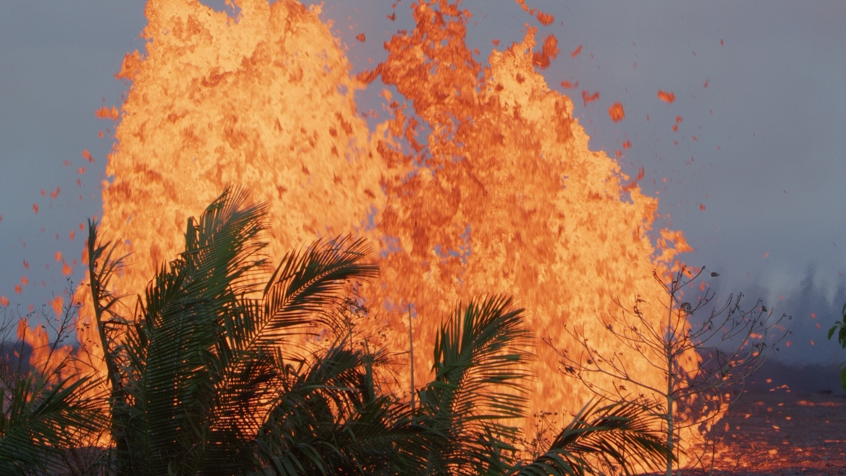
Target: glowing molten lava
(482, 182)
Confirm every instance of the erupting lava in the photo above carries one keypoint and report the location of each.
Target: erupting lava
(481, 182)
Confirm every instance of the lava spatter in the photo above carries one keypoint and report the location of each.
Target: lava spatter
(482, 182)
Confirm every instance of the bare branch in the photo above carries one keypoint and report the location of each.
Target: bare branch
(725, 348)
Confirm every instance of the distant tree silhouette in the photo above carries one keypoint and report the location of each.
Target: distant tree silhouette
(840, 328)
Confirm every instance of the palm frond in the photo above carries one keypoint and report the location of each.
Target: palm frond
(306, 284)
(480, 357)
(197, 368)
(295, 300)
(301, 429)
(111, 328)
(297, 296)
(326, 422)
(171, 350)
(40, 421)
(620, 435)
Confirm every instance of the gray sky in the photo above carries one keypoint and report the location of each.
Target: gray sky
(767, 160)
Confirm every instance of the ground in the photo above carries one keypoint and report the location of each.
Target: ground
(782, 433)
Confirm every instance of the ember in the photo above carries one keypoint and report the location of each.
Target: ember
(617, 113)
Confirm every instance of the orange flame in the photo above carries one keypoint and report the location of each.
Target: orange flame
(473, 186)
(57, 304)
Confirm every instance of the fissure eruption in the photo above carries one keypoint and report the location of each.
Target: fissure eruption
(481, 181)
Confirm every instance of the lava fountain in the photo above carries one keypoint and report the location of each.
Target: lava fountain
(480, 182)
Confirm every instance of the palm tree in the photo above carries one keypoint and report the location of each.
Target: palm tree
(43, 418)
(480, 357)
(41, 421)
(210, 374)
(207, 377)
(619, 436)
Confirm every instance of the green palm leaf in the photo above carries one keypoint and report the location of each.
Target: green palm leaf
(41, 421)
(296, 299)
(308, 414)
(216, 375)
(620, 435)
(198, 372)
(480, 357)
(171, 351)
(326, 422)
(305, 285)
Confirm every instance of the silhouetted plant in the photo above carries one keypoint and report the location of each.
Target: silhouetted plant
(840, 328)
(46, 420)
(730, 344)
(211, 374)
